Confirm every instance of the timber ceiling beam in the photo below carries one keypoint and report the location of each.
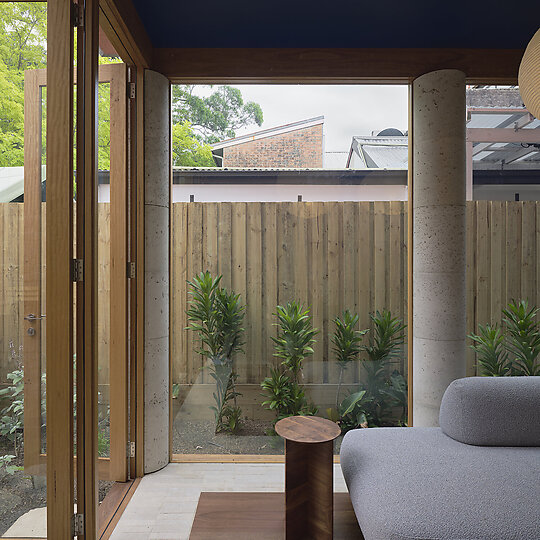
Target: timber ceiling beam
(125, 30)
(341, 66)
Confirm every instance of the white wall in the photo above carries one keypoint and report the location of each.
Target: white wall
(285, 192)
(527, 192)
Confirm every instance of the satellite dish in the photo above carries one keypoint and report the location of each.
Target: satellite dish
(390, 132)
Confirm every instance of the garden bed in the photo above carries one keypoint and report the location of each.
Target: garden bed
(195, 436)
(20, 492)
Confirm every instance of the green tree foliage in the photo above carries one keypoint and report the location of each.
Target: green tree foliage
(23, 46)
(188, 151)
(23, 31)
(199, 121)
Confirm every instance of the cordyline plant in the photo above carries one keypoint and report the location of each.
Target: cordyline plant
(293, 344)
(217, 315)
(346, 341)
(372, 403)
(295, 337)
(514, 349)
(385, 346)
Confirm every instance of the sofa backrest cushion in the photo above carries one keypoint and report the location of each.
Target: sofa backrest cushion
(492, 411)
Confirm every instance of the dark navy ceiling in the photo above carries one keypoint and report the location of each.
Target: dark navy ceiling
(340, 23)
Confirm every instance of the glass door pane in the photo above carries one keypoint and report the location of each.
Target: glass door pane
(23, 486)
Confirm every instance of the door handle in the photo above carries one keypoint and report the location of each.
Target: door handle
(32, 317)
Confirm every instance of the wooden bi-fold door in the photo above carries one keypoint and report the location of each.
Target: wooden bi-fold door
(76, 271)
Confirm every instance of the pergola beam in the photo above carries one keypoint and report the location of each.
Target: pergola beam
(503, 135)
(522, 121)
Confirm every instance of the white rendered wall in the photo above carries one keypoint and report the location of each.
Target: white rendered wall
(286, 192)
(156, 245)
(439, 306)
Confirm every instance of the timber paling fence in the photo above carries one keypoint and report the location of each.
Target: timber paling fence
(328, 255)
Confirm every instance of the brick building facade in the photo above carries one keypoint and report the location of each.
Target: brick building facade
(296, 145)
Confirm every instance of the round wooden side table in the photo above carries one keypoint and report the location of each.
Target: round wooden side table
(309, 476)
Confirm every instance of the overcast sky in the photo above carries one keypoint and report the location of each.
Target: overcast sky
(347, 110)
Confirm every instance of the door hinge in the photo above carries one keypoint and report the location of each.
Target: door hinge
(131, 270)
(78, 15)
(77, 525)
(132, 90)
(77, 270)
(131, 450)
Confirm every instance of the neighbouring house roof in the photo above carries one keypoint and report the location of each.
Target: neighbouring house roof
(501, 124)
(270, 132)
(378, 152)
(12, 182)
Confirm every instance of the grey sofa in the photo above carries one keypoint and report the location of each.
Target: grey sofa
(475, 477)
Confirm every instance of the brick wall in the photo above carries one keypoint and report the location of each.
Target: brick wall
(300, 148)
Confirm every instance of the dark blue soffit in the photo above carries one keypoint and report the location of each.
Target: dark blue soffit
(340, 23)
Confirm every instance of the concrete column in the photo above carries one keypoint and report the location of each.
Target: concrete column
(156, 244)
(439, 304)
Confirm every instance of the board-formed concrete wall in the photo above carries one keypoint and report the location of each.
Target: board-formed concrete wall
(156, 238)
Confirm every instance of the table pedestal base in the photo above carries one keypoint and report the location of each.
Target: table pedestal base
(309, 486)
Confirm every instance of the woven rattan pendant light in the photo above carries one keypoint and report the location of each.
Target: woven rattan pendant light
(529, 76)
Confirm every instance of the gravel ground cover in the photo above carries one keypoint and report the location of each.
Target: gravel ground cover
(191, 436)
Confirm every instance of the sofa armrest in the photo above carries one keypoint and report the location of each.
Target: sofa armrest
(492, 411)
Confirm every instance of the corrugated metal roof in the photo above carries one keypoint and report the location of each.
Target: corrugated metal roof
(386, 157)
(379, 152)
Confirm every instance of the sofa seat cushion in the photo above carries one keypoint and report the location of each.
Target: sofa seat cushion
(417, 483)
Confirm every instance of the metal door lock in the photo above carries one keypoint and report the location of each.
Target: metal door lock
(31, 331)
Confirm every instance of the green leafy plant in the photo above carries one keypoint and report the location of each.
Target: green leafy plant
(231, 418)
(278, 390)
(523, 341)
(385, 345)
(103, 442)
(5, 464)
(373, 403)
(346, 340)
(351, 412)
(216, 315)
(397, 395)
(295, 337)
(513, 349)
(492, 357)
(293, 344)
(285, 397)
(12, 416)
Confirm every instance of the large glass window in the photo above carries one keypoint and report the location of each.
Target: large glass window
(288, 261)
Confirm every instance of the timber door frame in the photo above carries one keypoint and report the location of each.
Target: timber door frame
(59, 257)
(116, 467)
(87, 254)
